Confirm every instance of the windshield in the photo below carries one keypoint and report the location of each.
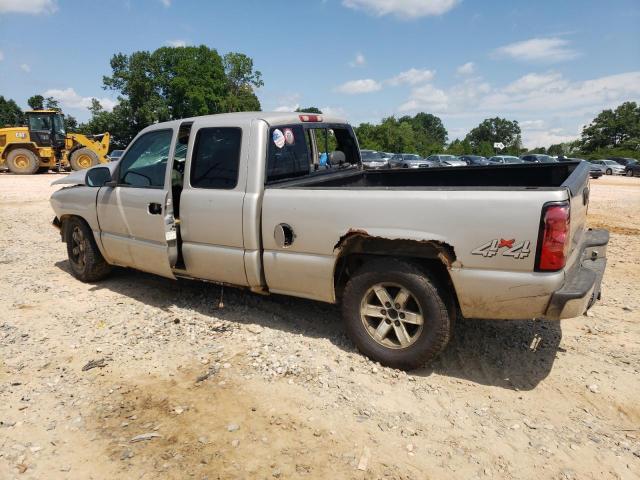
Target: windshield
(412, 157)
(40, 122)
(546, 159)
(368, 155)
(610, 162)
(511, 159)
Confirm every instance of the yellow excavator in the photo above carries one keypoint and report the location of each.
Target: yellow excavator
(43, 144)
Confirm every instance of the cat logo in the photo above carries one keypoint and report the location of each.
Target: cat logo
(21, 135)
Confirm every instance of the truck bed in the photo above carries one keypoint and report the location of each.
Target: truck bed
(526, 176)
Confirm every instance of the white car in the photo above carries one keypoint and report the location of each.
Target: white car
(609, 167)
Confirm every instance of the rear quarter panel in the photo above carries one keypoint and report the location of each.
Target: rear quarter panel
(465, 219)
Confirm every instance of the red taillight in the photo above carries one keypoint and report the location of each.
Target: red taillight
(554, 238)
(310, 118)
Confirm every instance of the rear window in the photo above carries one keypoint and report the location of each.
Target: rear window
(216, 158)
(300, 150)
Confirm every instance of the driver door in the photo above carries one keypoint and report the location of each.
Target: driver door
(136, 216)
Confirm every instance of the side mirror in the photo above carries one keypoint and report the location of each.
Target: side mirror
(98, 177)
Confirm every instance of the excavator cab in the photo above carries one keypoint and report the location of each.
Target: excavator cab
(46, 128)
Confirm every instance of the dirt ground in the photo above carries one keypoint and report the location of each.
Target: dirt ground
(270, 387)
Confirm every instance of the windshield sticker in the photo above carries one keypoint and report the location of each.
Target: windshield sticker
(278, 138)
(288, 136)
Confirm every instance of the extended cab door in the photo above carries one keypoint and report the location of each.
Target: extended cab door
(137, 228)
(212, 202)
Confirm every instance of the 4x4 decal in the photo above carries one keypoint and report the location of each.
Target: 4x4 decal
(518, 250)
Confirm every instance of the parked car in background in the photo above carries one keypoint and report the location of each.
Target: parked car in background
(115, 155)
(372, 160)
(538, 158)
(409, 160)
(594, 170)
(504, 160)
(632, 170)
(623, 160)
(472, 160)
(446, 161)
(609, 167)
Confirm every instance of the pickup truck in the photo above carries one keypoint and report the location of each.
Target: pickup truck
(242, 199)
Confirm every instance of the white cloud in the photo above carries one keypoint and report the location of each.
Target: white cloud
(545, 102)
(426, 97)
(25, 68)
(68, 98)
(34, 7)
(359, 61)
(405, 9)
(537, 81)
(538, 50)
(177, 43)
(166, 3)
(466, 69)
(355, 87)
(413, 76)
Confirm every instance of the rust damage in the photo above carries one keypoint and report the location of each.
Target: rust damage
(359, 241)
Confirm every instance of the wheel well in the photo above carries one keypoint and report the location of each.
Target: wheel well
(63, 224)
(433, 257)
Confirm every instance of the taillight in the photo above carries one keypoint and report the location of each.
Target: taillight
(553, 245)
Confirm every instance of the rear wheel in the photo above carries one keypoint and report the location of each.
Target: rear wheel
(395, 314)
(23, 162)
(83, 158)
(86, 262)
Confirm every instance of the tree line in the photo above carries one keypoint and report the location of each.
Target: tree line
(179, 82)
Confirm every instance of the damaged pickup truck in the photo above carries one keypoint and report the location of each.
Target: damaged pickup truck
(279, 203)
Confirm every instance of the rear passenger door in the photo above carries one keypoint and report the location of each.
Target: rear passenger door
(211, 204)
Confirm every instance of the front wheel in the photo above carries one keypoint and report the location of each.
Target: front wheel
(629, 173)
(609, 171)
(395, 314)
(86, 262)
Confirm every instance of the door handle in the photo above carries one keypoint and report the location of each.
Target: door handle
(154, 208)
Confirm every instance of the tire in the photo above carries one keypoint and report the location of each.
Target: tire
(422, 342)
(629, 173)
(405, 166)
(85, 260)
(22, 161)
(609, 171)
(83, 158)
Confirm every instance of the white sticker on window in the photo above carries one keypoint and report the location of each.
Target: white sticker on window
(278, 138)
(288, 136)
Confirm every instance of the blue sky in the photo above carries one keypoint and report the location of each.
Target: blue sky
(551, 65)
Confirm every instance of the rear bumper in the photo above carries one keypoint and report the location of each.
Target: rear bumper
(581, 288)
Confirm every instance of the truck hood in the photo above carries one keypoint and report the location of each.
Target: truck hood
(79, 176)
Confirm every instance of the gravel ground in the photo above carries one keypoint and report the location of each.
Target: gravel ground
(142, 377)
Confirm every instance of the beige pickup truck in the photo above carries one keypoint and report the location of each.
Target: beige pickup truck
(280, 203)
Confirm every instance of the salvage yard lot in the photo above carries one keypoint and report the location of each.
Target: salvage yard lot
(235, 385)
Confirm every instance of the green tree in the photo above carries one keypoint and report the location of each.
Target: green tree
(557, 149)
(309, 110)
(242, 80)
(70, 123)
(10, 113)
(619, 128)
(494, 130)
(172, 83)
(51, 103)
(36, 102)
